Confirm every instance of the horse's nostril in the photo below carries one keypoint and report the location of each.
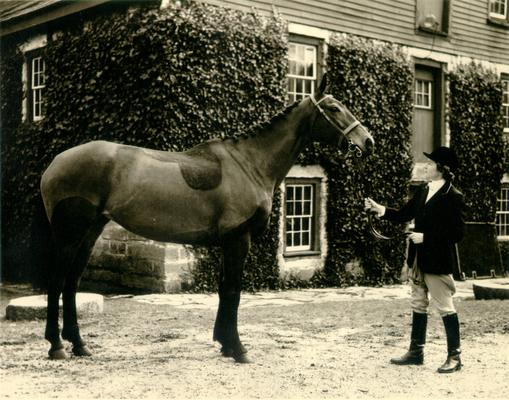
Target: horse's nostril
(369, 144)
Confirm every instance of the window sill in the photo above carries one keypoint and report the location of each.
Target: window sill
(431, 31)
(306, 253)
(501, 23)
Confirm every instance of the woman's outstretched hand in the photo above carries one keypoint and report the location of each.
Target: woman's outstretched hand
(372, 206)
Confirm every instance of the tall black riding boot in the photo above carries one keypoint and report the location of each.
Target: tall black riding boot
(415, 354)
(452, 330)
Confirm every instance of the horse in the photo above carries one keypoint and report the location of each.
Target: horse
(218, 193)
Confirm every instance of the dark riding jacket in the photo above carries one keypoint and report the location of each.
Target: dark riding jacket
(440, 220)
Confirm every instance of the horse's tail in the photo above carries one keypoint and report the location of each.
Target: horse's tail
(41, 246)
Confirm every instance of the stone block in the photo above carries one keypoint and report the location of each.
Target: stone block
(171, 253)
(102, 275)
(148, 251)
(143, 282)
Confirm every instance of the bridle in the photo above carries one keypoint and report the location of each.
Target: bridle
(344, 132)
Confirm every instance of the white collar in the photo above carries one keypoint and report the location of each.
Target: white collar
(435, 185)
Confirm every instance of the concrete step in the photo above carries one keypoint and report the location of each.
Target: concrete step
(34, 307)
(491, 289)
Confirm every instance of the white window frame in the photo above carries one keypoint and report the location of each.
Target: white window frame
(503, 213)
(505, 102)
(428, 94)
(310, 53)
(292, 218)
(500, 3)
(37, 83)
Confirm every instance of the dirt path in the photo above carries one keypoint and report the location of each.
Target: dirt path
(335, 349)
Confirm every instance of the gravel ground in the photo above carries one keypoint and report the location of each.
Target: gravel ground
(303, 350)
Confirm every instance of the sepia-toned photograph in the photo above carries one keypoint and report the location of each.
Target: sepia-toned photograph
(254, 199)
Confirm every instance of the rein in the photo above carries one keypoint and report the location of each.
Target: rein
(344, 132)
(380, 236)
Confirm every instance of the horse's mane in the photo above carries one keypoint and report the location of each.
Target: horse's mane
(258, 128)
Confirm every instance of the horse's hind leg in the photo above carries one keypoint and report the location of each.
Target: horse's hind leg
(71, 330)
(52, 333)
(73, 222)
(225, 328)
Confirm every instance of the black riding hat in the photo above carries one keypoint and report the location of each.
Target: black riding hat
(444, 156)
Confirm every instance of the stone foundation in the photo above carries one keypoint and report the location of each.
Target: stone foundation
(122, 261)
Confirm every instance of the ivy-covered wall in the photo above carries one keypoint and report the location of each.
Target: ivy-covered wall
(476, 125)
(13, 158)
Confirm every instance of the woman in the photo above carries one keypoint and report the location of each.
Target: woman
(437, 210)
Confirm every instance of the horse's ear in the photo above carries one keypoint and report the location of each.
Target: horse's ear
(323, 85)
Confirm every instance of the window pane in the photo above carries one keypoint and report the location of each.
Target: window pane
(305, 224)
(309, 87)
(289, 209)
(298, 208)
(298, 193)
(307, 208)
(299, 88)
(293, 67)
(296, 239)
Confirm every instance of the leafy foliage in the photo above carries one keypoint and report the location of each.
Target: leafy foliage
(477, 136)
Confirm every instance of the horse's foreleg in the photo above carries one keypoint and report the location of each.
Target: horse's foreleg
(230, 284)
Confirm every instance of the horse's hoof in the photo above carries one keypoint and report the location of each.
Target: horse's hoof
(226, 351)
(242, 358)
(58, 354)
(81, 351)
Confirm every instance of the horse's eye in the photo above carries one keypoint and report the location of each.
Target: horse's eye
(335, 108)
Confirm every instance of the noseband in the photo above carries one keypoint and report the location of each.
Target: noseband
(344, 132)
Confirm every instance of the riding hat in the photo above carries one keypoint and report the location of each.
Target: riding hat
(444, 156)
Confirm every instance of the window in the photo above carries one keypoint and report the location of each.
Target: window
(498, 12)
(505, 101)
(37, 79)
(498, 8)
(423, 94)
(302, 74)
(432, 16)
(503, 213)
(300, 215)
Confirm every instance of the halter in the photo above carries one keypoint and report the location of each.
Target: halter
(345, 132)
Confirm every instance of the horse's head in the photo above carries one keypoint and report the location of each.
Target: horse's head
(335, 124)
